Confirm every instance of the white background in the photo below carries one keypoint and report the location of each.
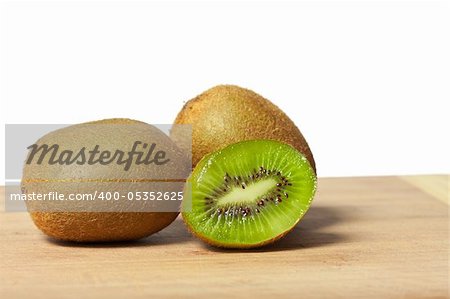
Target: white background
(366, 81)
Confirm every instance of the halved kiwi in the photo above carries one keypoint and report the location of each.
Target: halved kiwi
(248, 194)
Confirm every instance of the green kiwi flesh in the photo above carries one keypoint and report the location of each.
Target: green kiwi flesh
(248, 194)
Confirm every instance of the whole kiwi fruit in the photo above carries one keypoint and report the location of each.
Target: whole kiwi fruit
(77, 222)
(226, 114)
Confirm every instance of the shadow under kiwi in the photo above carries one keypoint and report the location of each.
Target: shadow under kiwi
(310, 232)
(175, 233)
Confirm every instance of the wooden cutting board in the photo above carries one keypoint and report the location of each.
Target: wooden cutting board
(371, 237)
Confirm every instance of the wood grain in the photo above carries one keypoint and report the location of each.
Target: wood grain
(371, 237)
(435, 185)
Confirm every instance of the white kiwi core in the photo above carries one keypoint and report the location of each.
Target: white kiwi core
(251, 193)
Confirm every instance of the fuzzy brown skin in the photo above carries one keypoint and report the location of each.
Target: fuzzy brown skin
(227, 114)
(80, 225)
(101, 227)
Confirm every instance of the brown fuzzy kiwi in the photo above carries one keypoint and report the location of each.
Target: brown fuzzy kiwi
(101, 226)
(226, 114)
(81, 226)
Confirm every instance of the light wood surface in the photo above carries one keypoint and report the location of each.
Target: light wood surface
(371, 237)
(435, 185)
